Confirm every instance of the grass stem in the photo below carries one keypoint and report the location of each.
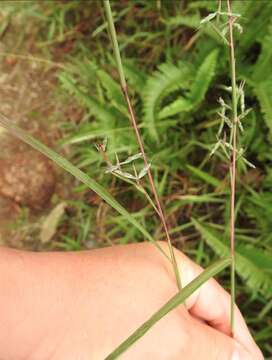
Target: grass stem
(231, 20)
(138, 136)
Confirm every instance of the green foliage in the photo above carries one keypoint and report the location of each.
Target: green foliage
(105, 104)
(203, 78)
(263, 91)
(95, 108)
(207, 178)
(253, 266)
(175, 71)
(265, 57)
(197, 90)
(167, 79)
(174, 95)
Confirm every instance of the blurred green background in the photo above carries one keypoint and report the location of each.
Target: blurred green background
(58, 80)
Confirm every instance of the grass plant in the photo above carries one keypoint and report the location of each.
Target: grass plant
(176, 69)
(124, 88)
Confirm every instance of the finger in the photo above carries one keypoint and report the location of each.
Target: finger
(214, 345)
(211, 303)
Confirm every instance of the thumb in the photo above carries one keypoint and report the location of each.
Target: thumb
(215, 345)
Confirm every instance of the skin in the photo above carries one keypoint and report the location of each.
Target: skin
(81, 305)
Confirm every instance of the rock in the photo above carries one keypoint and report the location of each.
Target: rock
(28, 178)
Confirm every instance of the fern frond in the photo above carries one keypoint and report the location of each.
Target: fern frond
(265, 58)
(166, 80)
(114, 93)
(136, 78)
(263, 91)
(203, 78)
(177, 106)
(255, 16)
(263, 201)
(250, 264)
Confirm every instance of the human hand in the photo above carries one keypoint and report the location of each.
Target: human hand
(81, 305)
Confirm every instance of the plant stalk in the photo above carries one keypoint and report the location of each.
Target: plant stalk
(231, 19)
(124, 88)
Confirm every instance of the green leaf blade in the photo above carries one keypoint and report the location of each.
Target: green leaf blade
(77, 173)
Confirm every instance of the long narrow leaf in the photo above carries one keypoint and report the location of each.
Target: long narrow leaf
(209, 179)
(175, 301)
(77, 173)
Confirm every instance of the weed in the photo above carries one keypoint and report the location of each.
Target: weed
(175, 78)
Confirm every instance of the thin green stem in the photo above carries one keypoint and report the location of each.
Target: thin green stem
(115, 43)
(218, 10)
(124, 88)
(231, 19)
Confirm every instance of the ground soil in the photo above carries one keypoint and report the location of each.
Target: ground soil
(28, 181)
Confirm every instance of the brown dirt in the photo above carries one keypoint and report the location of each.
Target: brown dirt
(27, 180)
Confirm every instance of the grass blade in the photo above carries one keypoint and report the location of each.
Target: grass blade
(77, 173)
(175, 301)
(207, 178)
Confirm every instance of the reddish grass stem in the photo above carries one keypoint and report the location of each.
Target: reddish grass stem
(124, 88)
(152, 185)
(231, 20)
